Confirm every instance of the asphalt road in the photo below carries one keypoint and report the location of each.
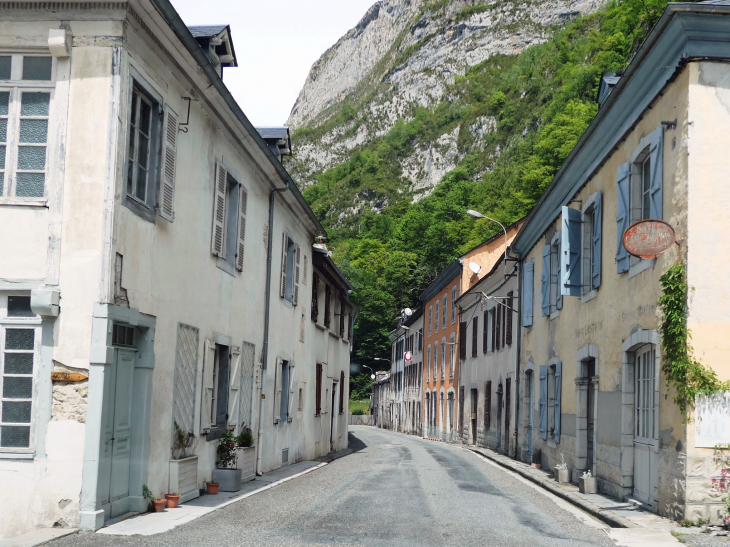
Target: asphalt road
(393, 490)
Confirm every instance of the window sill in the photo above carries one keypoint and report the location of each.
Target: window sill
(17, 455)
(25, 202)
(590, 295)
(643, 265)
(226, 266)
(139, 208)
(334, 334)
(320, 327)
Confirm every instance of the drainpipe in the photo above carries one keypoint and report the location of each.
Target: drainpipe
(517, 363)
(267, 307)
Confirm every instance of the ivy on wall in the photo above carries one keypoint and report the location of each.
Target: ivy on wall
(687, 374)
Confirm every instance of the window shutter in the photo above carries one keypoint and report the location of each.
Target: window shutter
(277, 391)
(282, 289)
(315, 297)
(570, 283)
(291, 390)
(318, 391)
(474, 336)
(167, 183)
(485, 333)
(234, 388)
(327, 301)
(622, 215)
(207, 399)
(559, 296)
(597, 223)
(657, 167)
(342, 392)
(509, 313)
(493, 320)
(543, 402)
(219, 210)
(558, 386)
(498, 309)
(462, 340)
(241, 227)
(528, 287)
(297, 265)
(545, 280)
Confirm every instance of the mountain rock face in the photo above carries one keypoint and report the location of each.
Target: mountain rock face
(404, 54)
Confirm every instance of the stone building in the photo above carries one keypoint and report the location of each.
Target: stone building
(154, 244)
(593, 386)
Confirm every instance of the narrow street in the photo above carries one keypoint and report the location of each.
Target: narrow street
(392, 490)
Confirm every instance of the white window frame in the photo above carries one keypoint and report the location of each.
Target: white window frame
(446, 308)
(436, 316)
(453, 355)
(33, 323)
(16, 86)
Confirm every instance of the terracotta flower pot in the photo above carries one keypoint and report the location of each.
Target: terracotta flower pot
(159, 505)
(536, 465)
(172, 500)
(211, 487)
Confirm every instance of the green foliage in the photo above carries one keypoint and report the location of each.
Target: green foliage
(227, 455)
(359, 408)
(147, 493)
(245, 439)
(688, 376)
(360, 386)
(469, 11)
(538, 104)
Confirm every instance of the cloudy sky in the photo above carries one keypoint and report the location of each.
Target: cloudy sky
(276, 44)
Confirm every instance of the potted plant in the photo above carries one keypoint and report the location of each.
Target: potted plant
(561, 471)
(537, 459)
(211, 488)
(227, 475)
(246, 454)
(158, 505)
(172, 500)
(183, 465)
(587, 484)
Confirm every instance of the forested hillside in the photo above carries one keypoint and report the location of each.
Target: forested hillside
(514, 117)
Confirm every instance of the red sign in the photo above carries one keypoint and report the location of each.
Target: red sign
(408, 356)
(648, 238)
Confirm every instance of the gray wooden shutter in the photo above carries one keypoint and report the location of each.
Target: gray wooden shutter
(234, 388)
(284, 246)
(559, 297)
(528, 287)
(277, 391)
(291, 389)
(558, 389)
(657, 168)
(570, 282)
(597, 224)
(297, 265)
(241, 227)
(622, 215)
(219, 209)
(545, 280)
(207, 398)
(167, 173)
(543, 402)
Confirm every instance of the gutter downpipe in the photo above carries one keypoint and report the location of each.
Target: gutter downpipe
(267, 308)
(517, 363)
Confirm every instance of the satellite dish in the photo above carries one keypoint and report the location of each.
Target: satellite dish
(408, 312)
(474, 267)
(372, 376)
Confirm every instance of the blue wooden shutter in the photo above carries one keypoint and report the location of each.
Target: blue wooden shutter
(528, 286)
(545, 286)
(543, 402)
(570, 284)
(622, 215)
(558, 385)
(597, 223)
(559, 297)
(657, 166)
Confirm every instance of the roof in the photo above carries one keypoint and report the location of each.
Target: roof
(223, 47)
(446, 275)
(684, 32)
(207, 31)
(479, 285)
(273, 132)
(415, 316)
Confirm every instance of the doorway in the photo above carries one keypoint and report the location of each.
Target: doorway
(530, 390)
(115, 450)
(332, 416)
(499, 415)
(507, 407)
(590, 415)
(645, 433)
(474, 400)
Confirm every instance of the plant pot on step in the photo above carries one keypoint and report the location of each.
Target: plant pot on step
(229, 479)
(536, 465)
(172, 500)
(159, 505)
(562, 474)
(587, 485)
(211, 488)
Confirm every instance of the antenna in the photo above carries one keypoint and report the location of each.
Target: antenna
(475, 268)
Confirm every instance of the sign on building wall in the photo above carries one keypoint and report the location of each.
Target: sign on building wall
(712, 420)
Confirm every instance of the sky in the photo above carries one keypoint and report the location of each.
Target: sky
(276, 44)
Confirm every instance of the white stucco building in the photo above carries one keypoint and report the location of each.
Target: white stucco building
(154, 243)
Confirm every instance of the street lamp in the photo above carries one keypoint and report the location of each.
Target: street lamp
(476, 214)
(372, 376)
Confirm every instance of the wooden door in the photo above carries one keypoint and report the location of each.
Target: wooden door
(645, 432)
(590, 414)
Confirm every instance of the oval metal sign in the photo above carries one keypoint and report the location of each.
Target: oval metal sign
(408, 356)
(648, 238)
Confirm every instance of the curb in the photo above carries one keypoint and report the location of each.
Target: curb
(336, 456)
(614, 521)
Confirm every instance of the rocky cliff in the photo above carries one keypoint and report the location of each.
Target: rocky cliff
(404, 54)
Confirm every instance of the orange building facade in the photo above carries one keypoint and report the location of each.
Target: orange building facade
(441, 400)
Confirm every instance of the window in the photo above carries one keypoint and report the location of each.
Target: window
(452, 352)
(493, 322)
(446, 303)
(25, 100)
(554, 274)
(327, 299)
(122, 335)
(498, 328)
(214, 415)
(436, 318)
(283, 385)
(474, 336)
(462, 340)
(290, 265)
(420, 339)
(551, 400)
(453, 305)
(428, 363)
(19, 344)
(508, 311)
(318, 391)
(485, 332)
(315, 297)
(443, 358)
(342, 318)
(140, 150)
(342, 392)
(435, 359)
(528, 285)
(300, 405)
(229, 219)
(488, 405)
(591, 244)
(430, 310)
(645, 392)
